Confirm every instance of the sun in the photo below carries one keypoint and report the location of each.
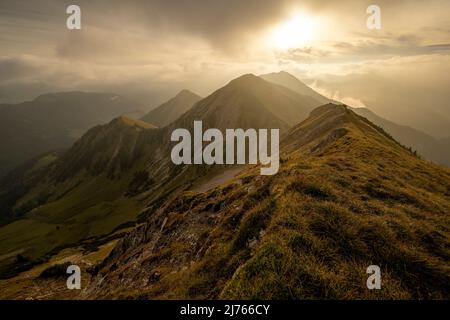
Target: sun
(298, 31)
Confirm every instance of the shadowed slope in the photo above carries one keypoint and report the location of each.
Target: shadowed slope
(250, 102)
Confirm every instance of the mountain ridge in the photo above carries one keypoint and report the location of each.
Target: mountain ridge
(172, 109)
(252, 236)
(432, 149)
(131, 162)
(53, 121)
(289, 81)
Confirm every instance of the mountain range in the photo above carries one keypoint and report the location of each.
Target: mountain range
(436, 150)
(287, 80)
(54, 121)
(347, 196)
(308, 232)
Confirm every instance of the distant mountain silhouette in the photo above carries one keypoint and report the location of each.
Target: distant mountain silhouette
(429, 147)
(172, 109)
(53, 121)
(347, 196)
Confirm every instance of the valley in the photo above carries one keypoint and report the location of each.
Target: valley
(346, 196)
(247, 146)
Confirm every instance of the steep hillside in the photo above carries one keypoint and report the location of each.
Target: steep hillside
(429, 147)
(53, 121)
(126, 165)
(347, 196)
(171, 110)
(250, 102)
(78, 196)
(106, 149)
(432, 149)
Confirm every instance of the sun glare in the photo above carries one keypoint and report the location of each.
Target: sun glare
(298, 31)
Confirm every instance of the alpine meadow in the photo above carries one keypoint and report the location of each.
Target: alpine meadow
(247, 151)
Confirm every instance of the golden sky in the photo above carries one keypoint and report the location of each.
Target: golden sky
(152, 49)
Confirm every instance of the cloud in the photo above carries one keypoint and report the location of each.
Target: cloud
(151, 49)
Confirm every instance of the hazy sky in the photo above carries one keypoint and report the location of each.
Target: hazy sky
(152, 49)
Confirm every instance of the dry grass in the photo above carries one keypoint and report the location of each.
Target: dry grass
(311, 231)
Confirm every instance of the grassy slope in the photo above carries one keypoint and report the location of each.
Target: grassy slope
(75, 195)
(432, 149)
(86, 203)
(91, 210)
(339, 204)
(53, 121)
(29, 285)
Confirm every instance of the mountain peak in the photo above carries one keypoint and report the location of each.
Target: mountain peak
(332, 121)
(330, 107)
(284, 74)
(123, 120)
(186, 93)
(336, 167)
